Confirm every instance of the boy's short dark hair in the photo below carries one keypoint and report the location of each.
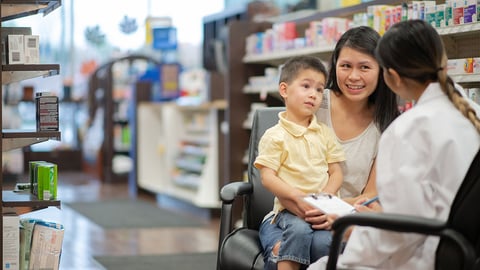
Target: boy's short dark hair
(294, 65)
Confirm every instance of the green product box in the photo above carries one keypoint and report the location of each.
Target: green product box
(478, 10)
(43, 179)
(440, 20)
(448, 13)
(430, 15)
(32, 173)
(47, 181)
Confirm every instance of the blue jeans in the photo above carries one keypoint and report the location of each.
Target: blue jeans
(298, 241)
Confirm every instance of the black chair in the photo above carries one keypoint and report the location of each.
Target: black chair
(240, 249)
(459, 246)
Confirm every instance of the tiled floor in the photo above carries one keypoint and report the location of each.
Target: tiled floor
(84, 239)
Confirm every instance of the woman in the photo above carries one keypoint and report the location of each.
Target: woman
(422, 158)
(359, 106)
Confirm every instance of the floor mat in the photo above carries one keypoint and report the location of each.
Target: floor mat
(197, 261)
(125, 214)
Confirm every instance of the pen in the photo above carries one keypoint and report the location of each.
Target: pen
(370, 201)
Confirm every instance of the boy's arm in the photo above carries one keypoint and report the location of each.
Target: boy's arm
(335, 179)
(290, 197)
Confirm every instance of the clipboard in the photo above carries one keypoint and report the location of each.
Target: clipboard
(329, 204)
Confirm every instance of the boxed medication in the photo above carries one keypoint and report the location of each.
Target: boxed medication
(26, 231)
(43, 179)
(46, 111)
(15, 50)
(11, 242)
(5, 32)
(46, 245)
(31, 49)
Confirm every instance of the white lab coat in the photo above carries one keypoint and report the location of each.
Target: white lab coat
(423, 157)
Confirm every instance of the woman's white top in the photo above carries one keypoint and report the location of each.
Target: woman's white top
(360, 152)
(423, 158)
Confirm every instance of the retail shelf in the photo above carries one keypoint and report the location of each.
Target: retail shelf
(194, 150)
(467, 80)
(468, 28)
(206, 106)
(278, 57)
(13, 9)
(190, 181)
(13, 139)
(16, 73)
(11, 198)
(271, 90)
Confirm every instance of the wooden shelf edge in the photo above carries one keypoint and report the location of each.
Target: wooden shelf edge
(16, 73)
(25, 199)
(14, 9)
(277, 57)
(14, 139)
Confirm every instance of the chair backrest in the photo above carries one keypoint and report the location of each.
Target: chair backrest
(260, 202)
(464, 218)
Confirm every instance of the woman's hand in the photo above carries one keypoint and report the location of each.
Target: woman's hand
(372, 207)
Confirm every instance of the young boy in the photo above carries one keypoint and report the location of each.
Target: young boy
(301, 156)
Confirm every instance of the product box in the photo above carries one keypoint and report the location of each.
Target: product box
(32, 173)
(470, 11)
(26, 231)
(440, 18)
(347, 3)
(5, 31)
(431, 15)
(478, 10)
(46, 245)
(46, 111)
(15, 50)
(449, 13)
(43, 178)
(474, 94)
(419, 8)
(11, 242)
(31, 49)
(47, 181)
(456, 66)
(457, 11)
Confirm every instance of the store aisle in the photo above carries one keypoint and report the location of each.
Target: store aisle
(84, 239)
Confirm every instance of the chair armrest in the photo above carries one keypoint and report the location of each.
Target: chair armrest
(392, 222)
(230, 191)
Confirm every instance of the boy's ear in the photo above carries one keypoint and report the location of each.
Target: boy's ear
(282, 89)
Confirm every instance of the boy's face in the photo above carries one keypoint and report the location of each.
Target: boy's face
(304, 94)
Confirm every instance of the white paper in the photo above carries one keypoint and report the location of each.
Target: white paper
(330, 204)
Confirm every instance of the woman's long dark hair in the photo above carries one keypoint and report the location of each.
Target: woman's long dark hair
(364, 39)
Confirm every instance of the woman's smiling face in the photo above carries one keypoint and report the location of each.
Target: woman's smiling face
(357, 73)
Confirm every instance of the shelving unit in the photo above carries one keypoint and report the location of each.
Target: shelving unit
(461, 42)
(12, 139)
(114, 82)
(183, 161)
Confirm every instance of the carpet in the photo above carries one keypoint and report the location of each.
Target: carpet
(191, 261)
(127, 214)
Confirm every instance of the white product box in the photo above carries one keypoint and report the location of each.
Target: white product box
(16, 51)
(46, 249)
(455, 66)
(32, 49)
(11, 242)
(474, 94)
